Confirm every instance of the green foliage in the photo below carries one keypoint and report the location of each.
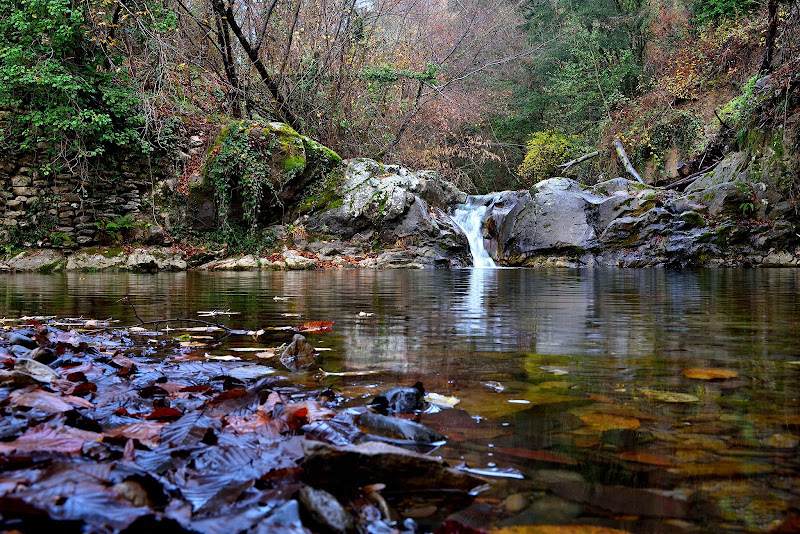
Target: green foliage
(241, 164)
(546, 150)
(388, 74)
(112, 231)
(714, 11)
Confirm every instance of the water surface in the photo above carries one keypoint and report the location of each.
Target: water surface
(582, 354)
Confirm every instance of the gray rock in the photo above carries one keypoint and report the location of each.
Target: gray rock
(325, 511)
(38, 260)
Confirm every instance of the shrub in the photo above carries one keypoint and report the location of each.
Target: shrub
(546, 150)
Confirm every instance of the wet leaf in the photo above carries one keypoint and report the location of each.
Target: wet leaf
(669, 396)
(604, 421)
(709, 373)
(43, 439)
(492, 405)
(442, 400)
(557, 529)
(147, 432)
(645, 458)
(49, 402)
(725, 469)
(316, 327)
(164, 414)
(538, 456)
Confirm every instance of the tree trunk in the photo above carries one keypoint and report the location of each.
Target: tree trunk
(625, 161)
(772, 31)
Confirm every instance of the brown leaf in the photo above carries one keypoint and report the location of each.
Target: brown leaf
(645, 458)
(317, 327)
(557, 529)
(164, 414)
(46, 401)
(43, 439)
(709, 373)
(147, 432)
(604, 421)
(539, 456)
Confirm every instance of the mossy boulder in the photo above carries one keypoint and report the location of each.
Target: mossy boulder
(257, 171)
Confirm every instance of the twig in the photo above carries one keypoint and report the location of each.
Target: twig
(691, 178)
(127, 299)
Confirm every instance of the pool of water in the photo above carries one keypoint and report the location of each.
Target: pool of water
(594, 389)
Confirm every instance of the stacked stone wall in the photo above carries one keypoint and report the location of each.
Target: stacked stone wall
(71, 208)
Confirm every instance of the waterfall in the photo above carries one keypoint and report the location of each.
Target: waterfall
(469, 217)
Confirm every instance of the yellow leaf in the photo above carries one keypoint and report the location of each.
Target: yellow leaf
(709, 373)
(604, 421)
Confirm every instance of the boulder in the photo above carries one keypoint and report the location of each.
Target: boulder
(44, 260)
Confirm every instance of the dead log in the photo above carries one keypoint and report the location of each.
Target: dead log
(567, 165)
(626, 162)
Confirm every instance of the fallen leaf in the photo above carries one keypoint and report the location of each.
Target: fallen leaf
(225, 358)
(669, 396)
(147, 432)
(604, 421)
(709, 373)
(645, 458)
(442, 400)
(44, 439)
(164, 414)
(318, 327)
(557, 529)
(601, 398)
(49, 402)
(538, 456)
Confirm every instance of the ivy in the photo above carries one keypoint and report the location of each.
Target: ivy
(388, 74)
(58, 85)
(240, 164)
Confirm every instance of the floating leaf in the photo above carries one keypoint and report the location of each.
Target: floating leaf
(645, 458)
(604, 421)
(442, 400)
(557, 529)
(669, 396)
(225, 358)
(318, 327)
(538, 456)
(709, 373)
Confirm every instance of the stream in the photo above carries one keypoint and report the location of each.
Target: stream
(626, 398)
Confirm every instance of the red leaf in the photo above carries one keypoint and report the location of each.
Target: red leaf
(319, 327)
(540, 456)
(164, 414)
(195, 389)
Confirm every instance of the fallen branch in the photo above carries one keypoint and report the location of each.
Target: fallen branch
(581, 159)
(691, 178)
(626, 162)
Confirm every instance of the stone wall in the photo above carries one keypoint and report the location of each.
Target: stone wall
(71, 209)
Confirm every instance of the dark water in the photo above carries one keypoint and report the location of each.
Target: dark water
(582, 354)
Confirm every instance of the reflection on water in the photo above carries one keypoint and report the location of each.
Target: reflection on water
(574, 347)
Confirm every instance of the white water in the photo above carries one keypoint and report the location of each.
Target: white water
(469, 217)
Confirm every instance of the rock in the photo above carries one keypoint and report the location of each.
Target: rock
(233, 263)
(156, 259)
(296, 262)
(373, 462)
(325, 511)
(299, 354)
(516, 502)
(44, 260)
(400, 429)
(17, 338)
(400, 399)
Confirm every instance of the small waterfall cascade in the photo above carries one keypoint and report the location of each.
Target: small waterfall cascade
(469, 217)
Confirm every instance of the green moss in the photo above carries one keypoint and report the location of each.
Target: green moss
(51, 267)
(111, 252)
(294, 163)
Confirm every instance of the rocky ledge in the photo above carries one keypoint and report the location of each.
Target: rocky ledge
(383, 216)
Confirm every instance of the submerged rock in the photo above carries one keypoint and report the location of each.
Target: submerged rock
(400, 429)
(374, 462)
(400, 400)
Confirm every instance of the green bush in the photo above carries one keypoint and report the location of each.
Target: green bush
(714, 11)
(59, 84)
(546, 150)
